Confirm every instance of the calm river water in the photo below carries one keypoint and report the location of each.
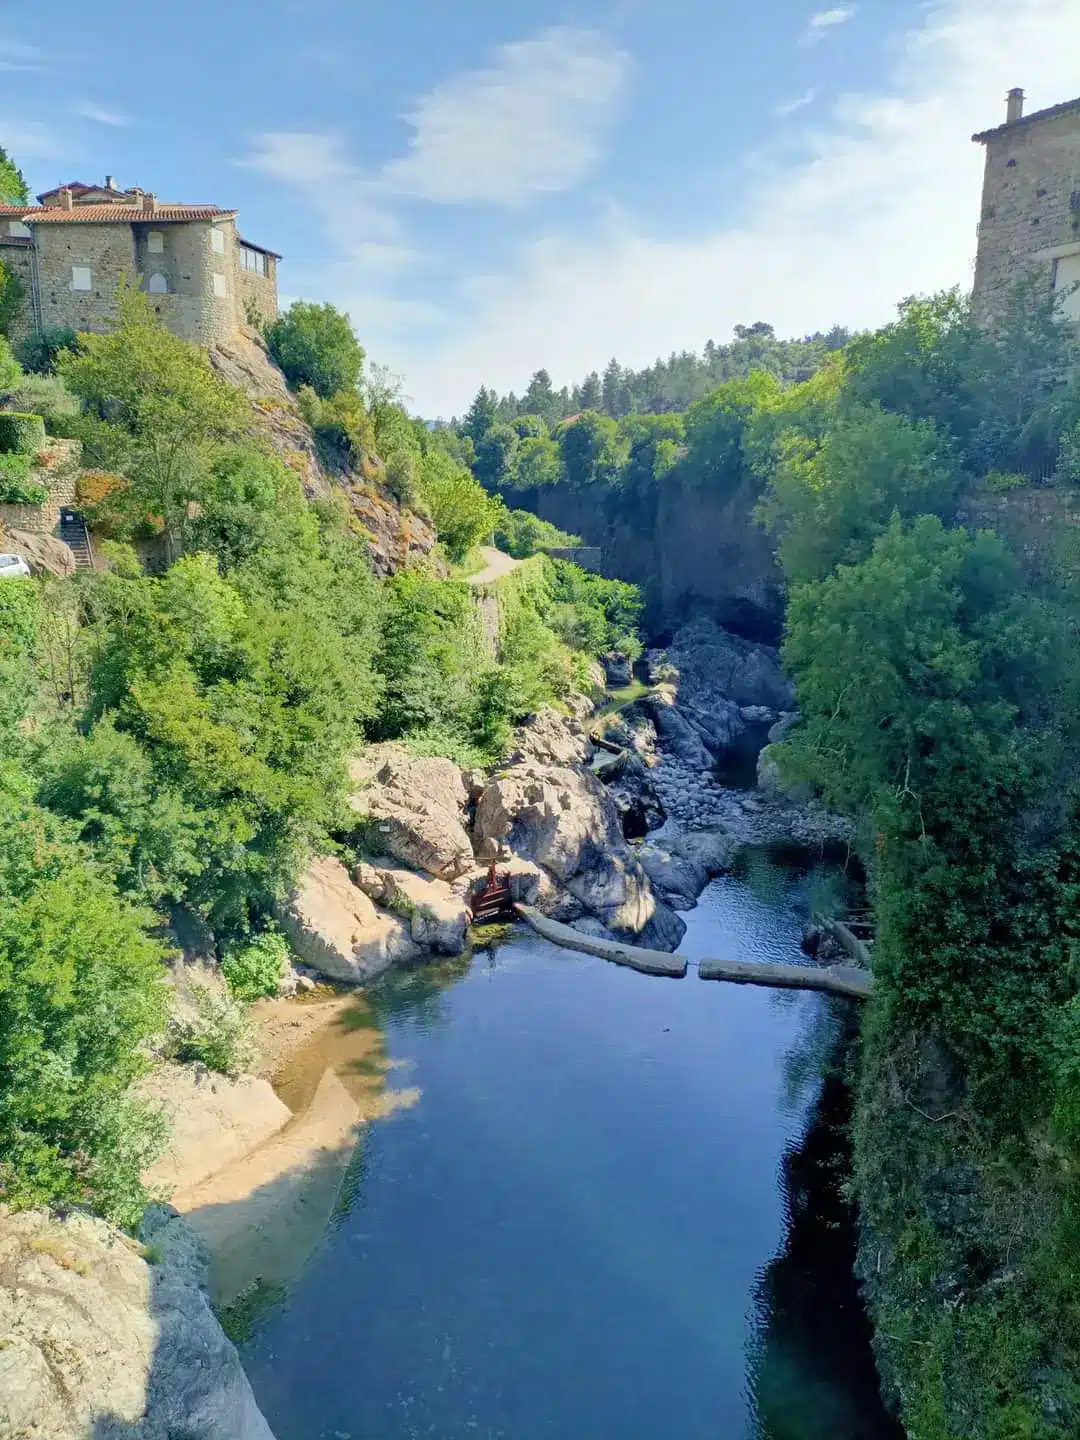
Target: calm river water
(613, 1213)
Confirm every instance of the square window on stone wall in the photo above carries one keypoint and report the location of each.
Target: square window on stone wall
(155, 242)
(80, 277)
(220, 289)
(217, 241)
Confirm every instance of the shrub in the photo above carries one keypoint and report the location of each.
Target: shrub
(217, 1035)
(16, 486)
(38, 352)
(315, 345)
(253, 970)
(10, 370)
(44, 395)
(522, 534)
(21, 433)
(94, 486)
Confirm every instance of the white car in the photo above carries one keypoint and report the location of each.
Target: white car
(13, 567)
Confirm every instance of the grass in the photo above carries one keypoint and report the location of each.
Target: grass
(619, 699)
(49, 1245)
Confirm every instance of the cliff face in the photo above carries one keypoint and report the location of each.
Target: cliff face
(690, 551)
(395, 536)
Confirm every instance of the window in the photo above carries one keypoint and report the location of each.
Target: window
(217, 242)
(220, 289)
(80, 277)
(16, 227)
(155, 242)
(1067, 286)
(158, 284)
(253, 260)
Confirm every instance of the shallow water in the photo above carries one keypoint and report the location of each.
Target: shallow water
(612, 1212)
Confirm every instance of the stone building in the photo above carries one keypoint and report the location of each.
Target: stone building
(1030, 220)
(72, 248)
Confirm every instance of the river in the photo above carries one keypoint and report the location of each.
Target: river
(613, 1213)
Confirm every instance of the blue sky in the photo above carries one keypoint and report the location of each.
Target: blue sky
(488, 188)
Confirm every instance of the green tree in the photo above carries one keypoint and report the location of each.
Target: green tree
(462, 511)
(480, 416)
(315, 345)
(12, 295)
(496, 457)
(591, 448)
(81, 994)
(156, 411)
(13, 186)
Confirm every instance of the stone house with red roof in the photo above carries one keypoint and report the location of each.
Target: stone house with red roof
(1030, 219)
(72, 248)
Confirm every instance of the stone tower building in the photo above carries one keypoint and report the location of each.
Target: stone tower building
(1030, 219)
(71, 250)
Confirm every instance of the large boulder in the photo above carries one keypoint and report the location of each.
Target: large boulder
(565, 821)
(679, 877)
(675, 733)
(336, 929)
(548, 738)
(712, 662)
(45, 554)
(418, 808)
(437, 916)
(97, 1341)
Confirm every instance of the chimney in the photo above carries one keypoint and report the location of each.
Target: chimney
(67, 200)
(1014, 106)
(110, 182)
(149, 202)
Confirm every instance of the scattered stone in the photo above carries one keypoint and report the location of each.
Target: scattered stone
(437, 916)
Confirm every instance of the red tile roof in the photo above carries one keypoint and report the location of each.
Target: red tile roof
(113, 214)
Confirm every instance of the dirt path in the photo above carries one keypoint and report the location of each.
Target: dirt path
(496, 567)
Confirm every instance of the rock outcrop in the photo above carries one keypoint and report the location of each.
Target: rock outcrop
(565, 821)
(438, 916)
(98, 1342)
(336, 929)
(45, 554)
(418, 809)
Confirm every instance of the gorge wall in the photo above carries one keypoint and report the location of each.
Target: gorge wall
(690, 551)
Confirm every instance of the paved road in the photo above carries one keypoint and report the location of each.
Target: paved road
(497, 565)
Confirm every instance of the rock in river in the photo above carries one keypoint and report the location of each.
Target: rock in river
(335, 928)
(565, 821)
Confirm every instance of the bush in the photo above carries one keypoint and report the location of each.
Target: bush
(47, 396)
(16, 486)
(217, 1035)
(521, 534)
(315, 345)
(253, 970)
(38, 352)
(21, 433)
(10, 369)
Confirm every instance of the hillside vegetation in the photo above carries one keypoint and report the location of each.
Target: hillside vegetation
(937, 669)
(175, 724)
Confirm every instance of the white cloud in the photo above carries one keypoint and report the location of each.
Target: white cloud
(883, 204)
(799, 103)
(532, 123)
(16, 56)
(101, 114)
(826, 20)
(28, 140)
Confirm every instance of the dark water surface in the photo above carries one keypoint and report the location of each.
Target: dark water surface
(614, 1212)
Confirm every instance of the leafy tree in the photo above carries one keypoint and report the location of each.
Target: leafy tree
(10, 370)
(520, 533)
(12, 295)
(80, 996)
(462, 511)
(496, 457)
(13, 186)
(156, 411)
(538, 462)
(591, 449)
(829, 500)
(39, 352)
(315, 345)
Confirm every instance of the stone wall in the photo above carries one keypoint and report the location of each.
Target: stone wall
(17, 259)
(1032, 170)
(60, 472)
(255, 290)
(194, 311)
(108, 251)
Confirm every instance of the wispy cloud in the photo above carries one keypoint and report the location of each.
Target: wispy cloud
(101, 114)
(825, 20)
(28, 140)
(883, 203)
(16, 56)
(789, 107)
(531, 123)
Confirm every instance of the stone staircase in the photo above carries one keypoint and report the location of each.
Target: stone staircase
(74, 534)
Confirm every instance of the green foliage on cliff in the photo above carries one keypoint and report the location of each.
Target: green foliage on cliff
(13, 186)
(316, 345)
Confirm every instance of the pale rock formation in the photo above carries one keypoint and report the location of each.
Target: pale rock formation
(336, 929)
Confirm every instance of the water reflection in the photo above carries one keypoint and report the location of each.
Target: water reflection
(811, 1368)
